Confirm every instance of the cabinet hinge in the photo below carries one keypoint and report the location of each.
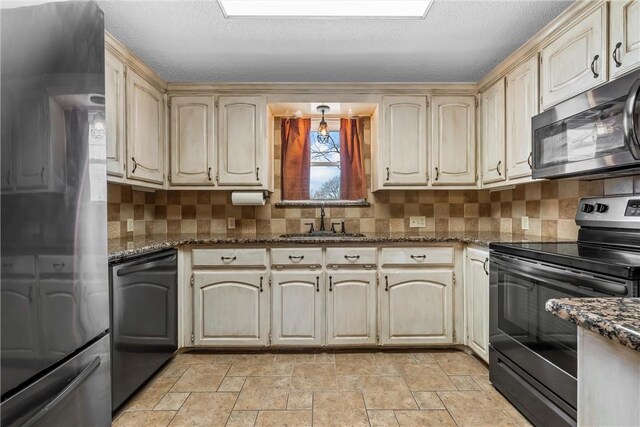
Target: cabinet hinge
(541, 59)
(377, 280)
(217, 176)
(193, 338)
(454, 335)
(169, 102)
(269, 281)
(427, 103)
(269, 338)
(192, 280)
(454, 279)
(377, 338)
(215, 104)
(476, 102)
(169, 177)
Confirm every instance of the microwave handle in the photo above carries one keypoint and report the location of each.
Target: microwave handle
(630, 136)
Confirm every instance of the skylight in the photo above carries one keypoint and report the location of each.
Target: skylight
(416, 9)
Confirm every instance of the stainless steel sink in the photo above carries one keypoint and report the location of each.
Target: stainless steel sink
(320, 234)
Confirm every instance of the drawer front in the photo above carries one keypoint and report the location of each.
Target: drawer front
(417, 256)
(351, 256)
(55, 264)
(22, 265)
(296, 256)
(229, 257)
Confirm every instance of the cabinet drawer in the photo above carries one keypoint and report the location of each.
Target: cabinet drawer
(229, 257)
(24, 265)
(417, 256)
(351, 256)
(296, 256)
(55, 264)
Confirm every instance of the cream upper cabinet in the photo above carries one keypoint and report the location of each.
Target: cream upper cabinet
(522, 105)
(403, 146)
(145, 130)
(114, 89)
(453, 130)
(230, 308)
(297, 308)
(477, 301)
(242, 141)
(575, 61)
(351, 307)
(493, 134)
(192, 141)
(624, 36)
(416, 307)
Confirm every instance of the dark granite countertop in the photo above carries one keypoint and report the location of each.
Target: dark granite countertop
(126, 247)
(615, 318)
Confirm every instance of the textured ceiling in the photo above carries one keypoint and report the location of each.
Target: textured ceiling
(459, 41)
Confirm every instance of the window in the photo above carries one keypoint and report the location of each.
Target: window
(324, 182)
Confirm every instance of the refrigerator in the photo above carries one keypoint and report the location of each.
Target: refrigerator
(54, 291)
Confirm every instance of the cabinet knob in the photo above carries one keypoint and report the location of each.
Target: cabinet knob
(615, 54)
(593, 66)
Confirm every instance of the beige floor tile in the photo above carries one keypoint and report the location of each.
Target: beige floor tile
(171, 402)
(144, 419)
(424, 418)
(300, 400)
(295, 358)
(517, 418)
(428, 358)
(354, 358)
(481, 417)
(242, 419)
(386, 358)
(464, 382)
(426, 377)
(173, 371)
(263, 393)
(232, 384)
(356, 364)
(325, 357)
(339, 408)
(205, 409)
(147, 399)
(388, 369)
(197, 358)
(466, 400)
(283, 419)
(254, 357)
(387, 393)
(250, 368)
(349, 382)
(382, 419)
(487, 387)
(428, 400)
(313, 377)
(201, 378)
(460, 363)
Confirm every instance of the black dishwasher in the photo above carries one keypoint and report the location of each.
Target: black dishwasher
(144, 329)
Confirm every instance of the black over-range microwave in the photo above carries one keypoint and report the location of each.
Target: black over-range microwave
(592, 135)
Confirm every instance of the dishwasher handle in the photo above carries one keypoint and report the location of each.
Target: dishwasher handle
(147, 263)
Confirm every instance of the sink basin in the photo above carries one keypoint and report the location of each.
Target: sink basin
(320, 234)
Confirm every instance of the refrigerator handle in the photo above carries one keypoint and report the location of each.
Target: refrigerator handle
(74, 384)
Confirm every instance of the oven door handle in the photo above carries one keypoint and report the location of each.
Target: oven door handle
(560, 278)
(628, 119)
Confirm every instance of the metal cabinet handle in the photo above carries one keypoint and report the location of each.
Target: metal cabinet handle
(530, 160)
(484, 266)
(317, 283)
(615, 54)
(296, 258)
(228, 258)
(42, 174)
(352, 257)
(437, 173)
(261, 279)
(58, 266)
(386, 281)
(209, 174)
(387, 173)
(135, 165)
(419, 257)
(498, 167)
(593, 66)
(330, 284)
(257, 174)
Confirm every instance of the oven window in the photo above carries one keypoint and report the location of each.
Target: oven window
(594, 133)
(522, 316)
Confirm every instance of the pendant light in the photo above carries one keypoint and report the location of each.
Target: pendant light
(323, 128)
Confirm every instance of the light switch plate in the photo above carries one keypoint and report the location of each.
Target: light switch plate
(130, 224)
(231, 223)
(525, 222)
(417, 222)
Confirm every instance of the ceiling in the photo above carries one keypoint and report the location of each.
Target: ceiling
(458, 41)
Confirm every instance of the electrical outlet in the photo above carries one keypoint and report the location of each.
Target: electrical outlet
(130, 224)
(231, 223)
(417, 222)
(525, 222)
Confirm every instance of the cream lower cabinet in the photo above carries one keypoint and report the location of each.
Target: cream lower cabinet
(416, 306)
(230, 308)
(297, 307)
(477, 301)
(624, 36)
(351, 307)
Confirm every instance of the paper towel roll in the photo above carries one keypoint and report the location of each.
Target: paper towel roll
(247, 198)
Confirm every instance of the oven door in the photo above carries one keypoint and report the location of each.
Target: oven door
(539, 343)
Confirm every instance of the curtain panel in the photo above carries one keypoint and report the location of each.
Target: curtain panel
(296, 158)
(353, 184)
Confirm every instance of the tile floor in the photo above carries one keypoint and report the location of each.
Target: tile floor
(432, 388)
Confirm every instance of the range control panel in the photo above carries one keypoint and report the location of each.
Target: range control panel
(610, 212)
(633, 208)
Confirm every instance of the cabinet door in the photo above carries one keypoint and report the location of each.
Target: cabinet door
(230, 308)
(242, 141)
(298, 311)
(145, 130)
(20, 338)
(32, 145)
(576, 61)
(493, 134)
(477, 296)
(522, 105)
(624, 36)
(416, 306)
(453, 124)
(403, 157)
(351, 308)
(192, 141)
(114, 107)
(61, 332)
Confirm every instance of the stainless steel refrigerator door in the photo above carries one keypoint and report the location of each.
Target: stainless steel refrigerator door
(74, 394)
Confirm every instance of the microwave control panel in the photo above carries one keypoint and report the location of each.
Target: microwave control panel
(633, 208)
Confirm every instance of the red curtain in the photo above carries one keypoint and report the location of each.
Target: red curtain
(296, 158)
(353, 184)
